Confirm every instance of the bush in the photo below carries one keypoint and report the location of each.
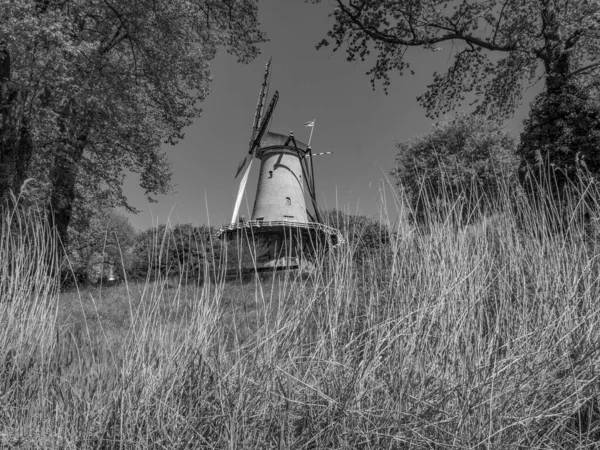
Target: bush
(468, 157)
(190, 252)
(366, 237)
(163, 251)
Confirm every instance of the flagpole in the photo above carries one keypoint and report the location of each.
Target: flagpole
(311, 132)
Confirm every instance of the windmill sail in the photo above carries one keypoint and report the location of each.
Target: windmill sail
(238, 200)
(264, 124)
(260, 107)
(259, 117)
(241, 166)
(266, 86)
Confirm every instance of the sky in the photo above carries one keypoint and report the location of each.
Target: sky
(359, 124)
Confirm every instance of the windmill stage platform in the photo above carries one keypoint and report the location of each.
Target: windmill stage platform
(311, 232)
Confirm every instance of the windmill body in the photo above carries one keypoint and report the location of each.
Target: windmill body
(280, 192)
(280, 216)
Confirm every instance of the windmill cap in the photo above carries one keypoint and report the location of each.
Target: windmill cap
(279, 140)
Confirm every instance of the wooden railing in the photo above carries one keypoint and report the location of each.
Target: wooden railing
(283, 223)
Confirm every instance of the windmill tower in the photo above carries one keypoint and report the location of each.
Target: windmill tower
(280, 216)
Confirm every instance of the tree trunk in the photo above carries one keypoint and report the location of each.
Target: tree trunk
(23, 159)
(64, 178)
(556, 55)
(4, 66)
(7, 95)
(16, 145)
(557, 73)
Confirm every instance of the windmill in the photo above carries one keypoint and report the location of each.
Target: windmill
(280, 216)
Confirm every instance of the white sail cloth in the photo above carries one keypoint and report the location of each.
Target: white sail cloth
(241, 190)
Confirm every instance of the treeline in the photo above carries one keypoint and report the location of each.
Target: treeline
(112, 250)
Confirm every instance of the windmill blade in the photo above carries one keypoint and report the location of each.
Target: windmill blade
(266, 86)
(241, 166)
(242, 188)
(264, 125)
(258, 115)
(260, 107)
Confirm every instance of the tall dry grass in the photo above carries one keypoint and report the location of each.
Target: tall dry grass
(482, 336)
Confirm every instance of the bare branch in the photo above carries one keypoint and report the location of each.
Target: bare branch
(374, 33)
(584, 69)
(499, 21)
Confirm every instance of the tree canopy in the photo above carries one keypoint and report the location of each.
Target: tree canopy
(557, 40)
(92, 89)
(562, 134)
(468, 157)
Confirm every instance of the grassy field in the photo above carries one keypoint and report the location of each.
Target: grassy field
(483, 336)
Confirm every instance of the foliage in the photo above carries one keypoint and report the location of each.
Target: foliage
(102, 248)
(366, 237)
(562, 134)
(180, 251)
(191, 252)
(466, 157)
(96, 87)
(560, 37)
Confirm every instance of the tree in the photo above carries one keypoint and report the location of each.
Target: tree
(180, 251)
(106, 241)
(562, 134)
(95, 87)
(558, 40)
(468, 157)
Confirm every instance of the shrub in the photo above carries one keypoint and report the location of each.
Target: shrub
(467, 157)
(190, 251)
(366, 237)
(172, 251)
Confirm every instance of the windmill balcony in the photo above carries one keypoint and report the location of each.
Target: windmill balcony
(310, 229)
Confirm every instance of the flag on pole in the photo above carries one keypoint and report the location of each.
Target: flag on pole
(311, 124)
